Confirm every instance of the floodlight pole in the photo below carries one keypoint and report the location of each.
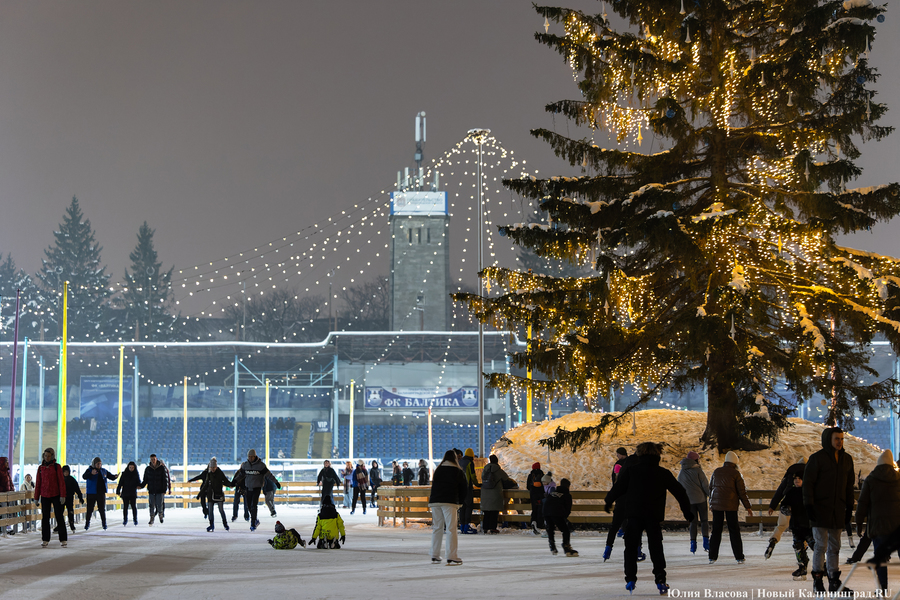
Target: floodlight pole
(478, 136)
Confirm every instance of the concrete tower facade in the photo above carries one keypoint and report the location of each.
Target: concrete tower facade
(420, 261)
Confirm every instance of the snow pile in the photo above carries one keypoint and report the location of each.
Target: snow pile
(679, 431)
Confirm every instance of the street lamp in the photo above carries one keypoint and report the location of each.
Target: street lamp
(478, 136)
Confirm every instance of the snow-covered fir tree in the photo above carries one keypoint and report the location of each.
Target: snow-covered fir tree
(147, 298)
(75, 257)
(714, 250)
(31, 313)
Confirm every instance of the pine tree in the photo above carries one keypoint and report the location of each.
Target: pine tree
(31, 313)
(713, 253)
(279, 316)
(75, 257)
(148, 298)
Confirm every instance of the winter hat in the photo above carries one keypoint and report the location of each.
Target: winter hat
(536, 466)
(886, 458)
(213, 462)
(361, 462)
(547, 478)
(732, 458)
(279, 528)
(470, 453)
(693, 455)
(622, 451)
(251, 453)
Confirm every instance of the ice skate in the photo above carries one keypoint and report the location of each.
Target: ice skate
(693, 546)
(663, 589)
(607, 552)
(630, 586)
(834, 585)
(800, 573)
(770, 548)
(570, 552)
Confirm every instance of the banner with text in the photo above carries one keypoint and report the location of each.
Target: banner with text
(100, 397)
(421, 397)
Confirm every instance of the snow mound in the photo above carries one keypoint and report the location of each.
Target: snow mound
(679, 431)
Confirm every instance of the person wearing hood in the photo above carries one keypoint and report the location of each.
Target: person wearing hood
(879, 507)
(6, 484)
(50, 493)
(96, 477)
(27, 486)
(72, 490)
(129, 482)
(448, 491)
(255, 472)
(536, 495)
(213, 490)
(557, 508)
(329, 529)
(374, 482)
(644, 485)
(784, 515)
(726, 492)
(828, 497)
(360, 485)
(467, 464)
(158, 484)
(424, 474)
(618, 523)
(693, 480)
(327, 479)
(492, 499)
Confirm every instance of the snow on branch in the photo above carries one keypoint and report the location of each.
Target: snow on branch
(809, 327)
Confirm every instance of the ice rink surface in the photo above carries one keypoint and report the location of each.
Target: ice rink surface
(179, 559)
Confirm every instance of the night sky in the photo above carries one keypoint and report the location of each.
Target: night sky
(228, 124)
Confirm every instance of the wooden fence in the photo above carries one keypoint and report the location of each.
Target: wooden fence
(406, 503)
(19, 507)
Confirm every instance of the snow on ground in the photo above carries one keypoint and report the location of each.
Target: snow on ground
(179, 559)
(679, 431)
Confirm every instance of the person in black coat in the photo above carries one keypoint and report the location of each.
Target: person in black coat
(407, 474)
(200, 495)
(72, 489)
(792, 502)
(557, 508)
(327, 478)
(238, 481)
(645, 483)
(617, 526)
(536, 495)
(129, 482)
(828, 497)
(214, 492)
(784, 518)
(448, 490)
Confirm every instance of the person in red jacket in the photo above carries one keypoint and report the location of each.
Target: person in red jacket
(50, 491)
(6, 484)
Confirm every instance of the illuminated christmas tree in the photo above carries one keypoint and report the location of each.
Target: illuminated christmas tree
(710, 228)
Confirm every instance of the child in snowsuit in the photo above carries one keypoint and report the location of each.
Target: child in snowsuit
(329, 528)
(72, 489)
(286, 539)
(799, 524)
(557, 507)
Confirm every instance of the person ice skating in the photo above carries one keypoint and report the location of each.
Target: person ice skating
(374, 482)
(27, 486)
(423, 474)
(645, 484)
(327, 479)
(726, 492)
(6, 484)
(96, 477)
(799, 524)
(360, 485)
(239, 496)
(269, 496)
(536, 496)
(617, 526)
(50, 494)
(693, 480)
(784, 516)
(879, 505)
(396, 474)
(72, 489)
(286, 539)
(407, 474)
(492, 499)
(828, 497)
(347, 477)
(255, 472)
(214, 492)
(467, 464)
(448, 491)
(557, 508)
(158, 484)
(329, 529)
(129, 482)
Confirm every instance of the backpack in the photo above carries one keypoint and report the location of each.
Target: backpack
(487, 479)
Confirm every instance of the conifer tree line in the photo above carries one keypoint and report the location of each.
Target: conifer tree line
(708, 224)
(144, 309)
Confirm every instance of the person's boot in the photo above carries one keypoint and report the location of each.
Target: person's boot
(802, 562)
(570, 551)
(641, 556)
(553, 550)
(693, 546)
(818, 583)
(834, 582)
(800, 573)
(607, 553)
(663, 589)
(706, 544)
(770, 548)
